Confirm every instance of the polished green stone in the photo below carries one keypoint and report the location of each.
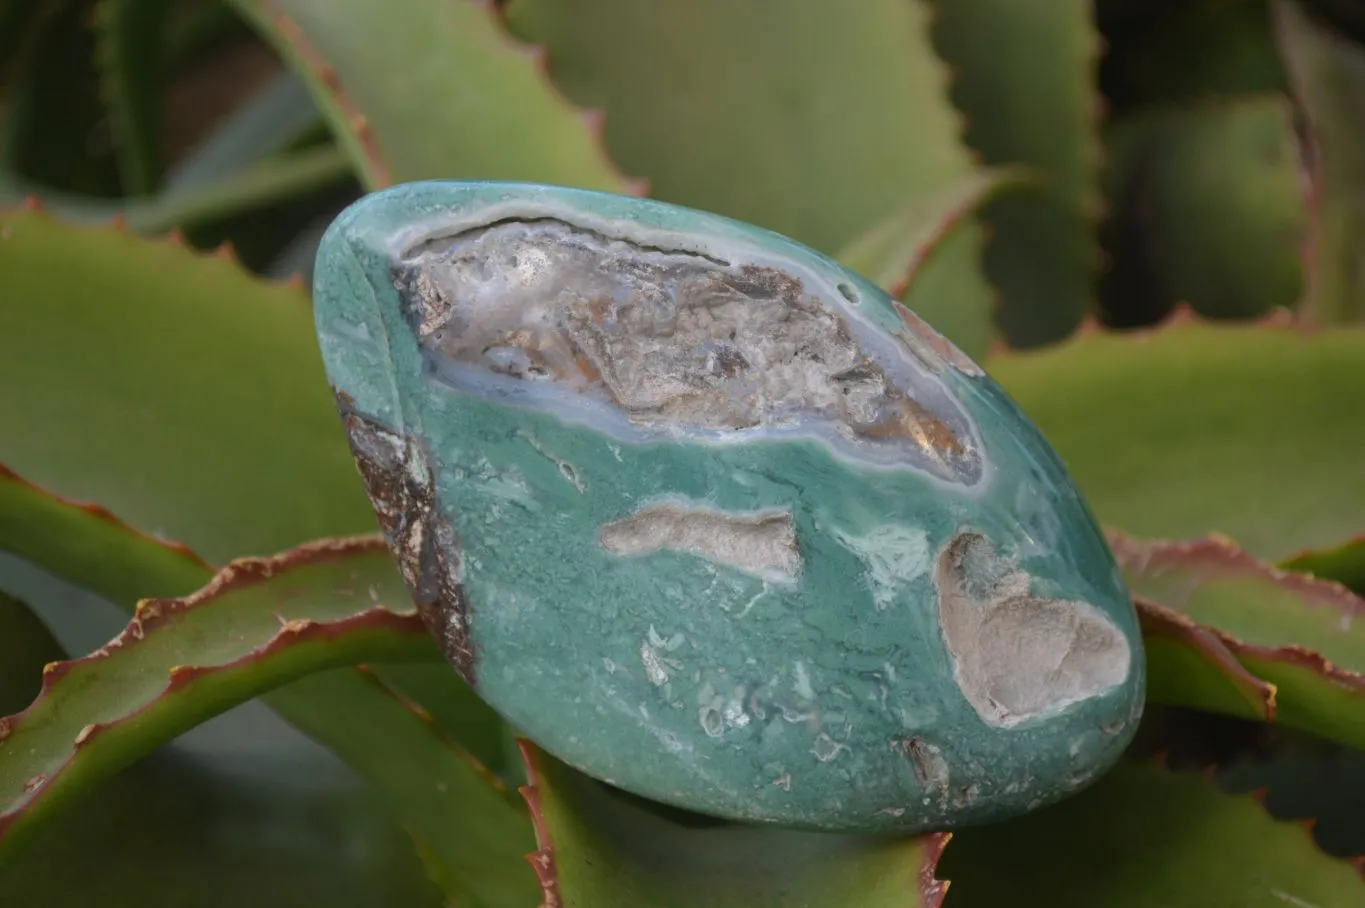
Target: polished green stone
(714, 520)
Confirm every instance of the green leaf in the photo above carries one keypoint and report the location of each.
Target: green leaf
(1327, 74)
(72, 151)
(1025, 78)
(813, 119)
(26, 645)
(278, 118)
(1224, 48)
(257, 625)
(453, 705)
(417, 90)
(1205, 209)
(602, 848)
(205, 830)
(1194, 429)
(1190, 665)
(1142, 837)
(92, 548)
(894, 253)
(130, 39)
(269, 181)
(1344, 563)
(172, 389)
(472, 833)
(1305, 637)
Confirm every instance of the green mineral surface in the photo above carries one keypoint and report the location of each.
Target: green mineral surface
(714, 520)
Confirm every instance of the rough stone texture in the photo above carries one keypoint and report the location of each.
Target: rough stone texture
(710, 518)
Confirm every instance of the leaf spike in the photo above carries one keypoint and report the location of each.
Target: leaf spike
(380, 173)
(542, 860)
(932, 890)
(544, 70)
(226, 252)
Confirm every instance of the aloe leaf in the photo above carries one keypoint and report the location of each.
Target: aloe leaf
(279, 178)
(812, 119)
(1024, 75)
(894, 253)
(90, 547)
(130, 39)
(1131, 415)
(201, 383)
(601, 848)
(178, 830)
(418, 90)
(1190, 665)
(258, 624)
(1224, 48)
(274, 120)
(72, 151)
(26, 645)
(1344, 563)
(1305, 637)
(452, 704)
(1144, 836)
(471, 831)
(1327, 75)
(1205, 208)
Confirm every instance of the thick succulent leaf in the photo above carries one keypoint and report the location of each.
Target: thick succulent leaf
(130, 37)
(813, 119)
(257, 625)
(280, 178)
(1205, 208)
(1143, 836)
(90, 547)
(600, 848)
(1190, 665)
(1024, 75)
(26, 645)
(202, 385)
(894, 253)
(416, 90)
(454, 706)
(1224, 48)
(70, 151)
(470, 830)
(1305, 637)
(177, 830)
(1327, 74)
(1168, 431)
(279, 117)
(1344, 563)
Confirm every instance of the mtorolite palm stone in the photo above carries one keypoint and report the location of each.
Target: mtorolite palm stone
(714, 520)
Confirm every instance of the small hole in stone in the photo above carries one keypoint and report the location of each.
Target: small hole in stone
(848, 293)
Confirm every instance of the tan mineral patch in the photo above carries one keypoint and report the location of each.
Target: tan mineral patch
(1015, 655)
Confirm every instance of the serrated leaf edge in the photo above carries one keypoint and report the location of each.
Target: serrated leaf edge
(1209, 774)
(309, 57)
(932, 890)
(542, 860)
(152, 614)
(594, 119)
(34, 206)
(1094, 206)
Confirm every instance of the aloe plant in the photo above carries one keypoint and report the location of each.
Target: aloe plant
(1143, 219)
